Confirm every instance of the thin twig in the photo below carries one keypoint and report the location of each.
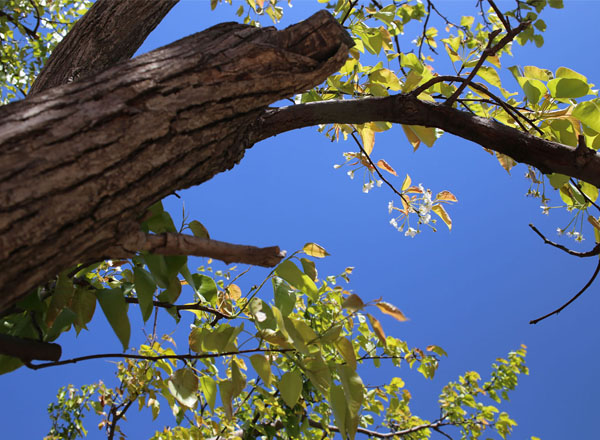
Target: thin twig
(179, 307)
(561, 308)
(500, 15)
(402, 196)
(591, 253)
(587, 199)
(154, 358)
(352, 4)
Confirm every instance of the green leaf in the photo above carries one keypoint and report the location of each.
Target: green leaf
(61, 324)
(237, 379)
(61, 297)
(183, 385)
(338, 405)
(589, 113)
(290, 272)
(158, 267)
(198, 229)
(533, 72)
(534, 89)
(206, 287)
(344, 346)
(290, 387)
(145, 288)
(209, 388)
(263, 315)
(557, 180)
(84, 306)
(568, 88)
(309, 268)
(354, 393)
(115, 309)
(285, 298)
(226, 391)
(263, 367)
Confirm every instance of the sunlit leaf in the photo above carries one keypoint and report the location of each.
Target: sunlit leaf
(263, 367)
(353, 302)
(183, 385)
(405, 183)
(446, 195)
(441, 212)
(290, 272)
(377, 329)
(392, 310)
(290, 387)
(209, 388)
(507, 162)
(198, 229)
(385, 166)
(344, 346)
(314, 250)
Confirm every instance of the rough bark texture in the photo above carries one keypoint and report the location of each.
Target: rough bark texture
(549, 157)
(28, 349)
(182, 244)
(80, 163)
(110, 32)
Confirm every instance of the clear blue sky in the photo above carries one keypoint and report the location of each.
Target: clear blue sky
(472, 290)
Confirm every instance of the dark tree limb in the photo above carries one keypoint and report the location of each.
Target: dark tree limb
(591, 253)
(110, 32)
(565, 305)
(81, 163)
(547, 156)
(183, 244)
(29, 349)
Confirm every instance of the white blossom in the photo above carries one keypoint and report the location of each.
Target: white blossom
(410, 232)
(390, 207)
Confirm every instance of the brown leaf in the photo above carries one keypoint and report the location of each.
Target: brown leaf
(353, 302)
(392, 310)
(234, 291)
(385, 166)
(446, 195)
(375, 324)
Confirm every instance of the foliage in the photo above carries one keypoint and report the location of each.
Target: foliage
(29, 31)
(290, 364)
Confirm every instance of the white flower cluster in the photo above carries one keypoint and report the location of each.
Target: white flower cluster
(359, 160)
(577, 236)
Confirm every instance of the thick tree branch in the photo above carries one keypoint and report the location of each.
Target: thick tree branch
(547, 156)
(110, 32)
(182, 244)
(81, 163)
(29, 349)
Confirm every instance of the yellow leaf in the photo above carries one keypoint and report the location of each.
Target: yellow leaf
(446, 195)
(506, 161)
(234, 292)
(377, 329)
(368, 138)
(314, 250)
(412, 137)
(406, 183)
(385, 166)
(353, 302)
(392, 310)
(439, 210)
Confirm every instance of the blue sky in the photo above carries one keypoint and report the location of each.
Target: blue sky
(472, 290)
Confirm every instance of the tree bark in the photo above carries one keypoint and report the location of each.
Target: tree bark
(110, 32)
(547, 156)
(80, 163)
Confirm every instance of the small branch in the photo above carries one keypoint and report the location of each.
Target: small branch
(362, 150)
(352, 4)
(183, 244)
(565, 305)
(584, 195)
(500, 15)
(488, 51)
(376, 434)
(29, 349)
(178, 307)
(153, 358)
(595, 251)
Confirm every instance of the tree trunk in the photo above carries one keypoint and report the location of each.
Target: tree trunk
(80, 163)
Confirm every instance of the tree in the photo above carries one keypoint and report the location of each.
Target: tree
(68, 300)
